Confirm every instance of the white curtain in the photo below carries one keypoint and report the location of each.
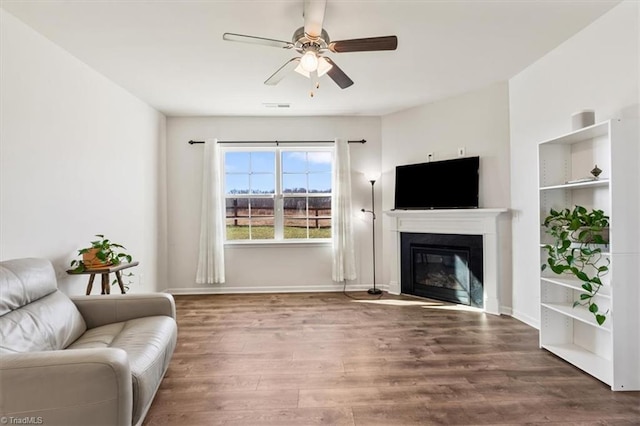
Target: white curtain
(344, 263)
(211, 256)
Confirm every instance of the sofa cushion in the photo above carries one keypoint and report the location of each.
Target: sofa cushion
(36, 316)
(23, 281)
(149, 343)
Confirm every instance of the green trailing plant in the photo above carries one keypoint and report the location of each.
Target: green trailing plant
(577, 249)
(127, 280)
(104, 250)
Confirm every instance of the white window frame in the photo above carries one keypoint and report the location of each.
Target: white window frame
(278, 196)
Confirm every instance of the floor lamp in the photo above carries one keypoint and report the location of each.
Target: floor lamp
(373, 290)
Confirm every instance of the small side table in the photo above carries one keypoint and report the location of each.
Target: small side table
(106, 288)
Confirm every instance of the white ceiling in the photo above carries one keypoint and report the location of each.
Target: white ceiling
(171, 53)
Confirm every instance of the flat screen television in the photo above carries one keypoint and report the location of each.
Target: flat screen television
(447, 184)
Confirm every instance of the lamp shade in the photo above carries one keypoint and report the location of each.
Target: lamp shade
(323, 66)
(309, 61)
(372, 176)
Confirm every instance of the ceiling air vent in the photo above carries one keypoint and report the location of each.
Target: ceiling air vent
(276, 105)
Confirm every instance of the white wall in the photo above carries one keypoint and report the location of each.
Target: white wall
(256, 269)
(78, 156)
(477, 121)
(596, 69)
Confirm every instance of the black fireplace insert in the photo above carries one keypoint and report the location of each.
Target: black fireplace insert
(445, 267)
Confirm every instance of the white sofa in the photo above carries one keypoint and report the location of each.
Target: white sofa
(87, 360)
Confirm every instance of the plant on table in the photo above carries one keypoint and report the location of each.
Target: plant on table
(578, 236)
(101, 253)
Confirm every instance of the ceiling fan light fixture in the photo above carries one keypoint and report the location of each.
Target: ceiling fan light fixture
(301, 71)
(309, 61)
(323, 66)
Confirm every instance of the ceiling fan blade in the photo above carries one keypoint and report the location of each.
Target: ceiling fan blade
(313, 17)
(337, 75)
(257, 40)
(364, 44)
(282, 72)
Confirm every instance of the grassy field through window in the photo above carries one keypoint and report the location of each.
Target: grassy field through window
(238, 232)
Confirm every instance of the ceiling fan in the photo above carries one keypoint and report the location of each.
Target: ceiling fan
(312, 42)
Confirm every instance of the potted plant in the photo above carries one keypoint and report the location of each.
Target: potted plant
(101, 253)
(579, 235)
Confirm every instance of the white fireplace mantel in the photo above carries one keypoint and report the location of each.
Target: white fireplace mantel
(455, 221)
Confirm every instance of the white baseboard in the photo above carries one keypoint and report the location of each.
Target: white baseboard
(506, 310)
(533, 322)
(224, 289)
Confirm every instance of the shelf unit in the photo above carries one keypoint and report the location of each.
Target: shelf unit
(611, 351)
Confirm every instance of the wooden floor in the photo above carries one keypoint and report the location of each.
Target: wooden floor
(327, 358)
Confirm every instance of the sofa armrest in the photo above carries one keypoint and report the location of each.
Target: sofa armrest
(67, 387)
(106, 309)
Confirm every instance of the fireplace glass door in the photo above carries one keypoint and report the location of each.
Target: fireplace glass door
(441, 273)
(445, 267)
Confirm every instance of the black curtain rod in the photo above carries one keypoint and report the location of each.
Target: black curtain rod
(277, 142)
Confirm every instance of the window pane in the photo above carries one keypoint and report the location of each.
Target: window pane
(319, 161)
(263, 162)
(263, 229)
(263, 183)
(236, 184)
(237, 214)
(238, 210)
(294, 183)
(320, 182)
(249, 218)
(294, 162)
(261, 207)
(319, 217)
(295, 217)
(262, 223)
(236, 231)
(237, 162)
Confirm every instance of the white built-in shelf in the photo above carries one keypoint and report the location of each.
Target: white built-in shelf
(611, 351)
(603, 247)
(590, 132)
(578, 185)
(575, 284)
(595, 365)
(578, 313)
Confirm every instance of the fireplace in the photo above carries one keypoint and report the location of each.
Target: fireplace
(481, 222)
(444, 267)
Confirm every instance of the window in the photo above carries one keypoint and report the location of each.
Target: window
(278, 194)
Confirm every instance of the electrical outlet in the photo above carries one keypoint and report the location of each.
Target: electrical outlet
(461, 151)
(430, 157)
